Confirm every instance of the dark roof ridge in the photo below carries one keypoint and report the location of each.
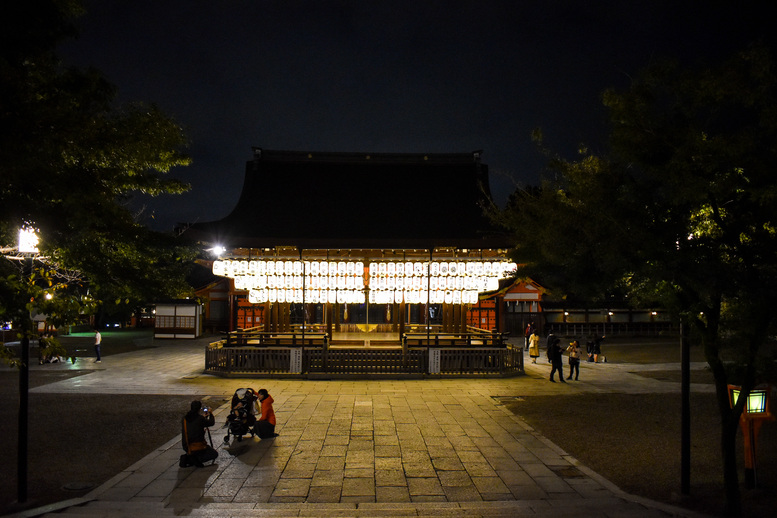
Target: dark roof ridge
(277, 155)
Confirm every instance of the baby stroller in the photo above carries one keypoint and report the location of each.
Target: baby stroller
(241, 418)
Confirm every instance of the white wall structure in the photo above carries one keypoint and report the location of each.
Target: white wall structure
(179, 319)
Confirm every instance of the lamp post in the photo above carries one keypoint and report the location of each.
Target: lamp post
(754, 413)
(28, 244)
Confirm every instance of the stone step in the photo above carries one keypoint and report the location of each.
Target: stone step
(595, 507)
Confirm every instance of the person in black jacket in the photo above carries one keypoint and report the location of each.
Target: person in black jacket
(555, 353)
(193, 441)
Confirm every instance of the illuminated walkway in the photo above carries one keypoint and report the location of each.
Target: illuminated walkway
(362, 448)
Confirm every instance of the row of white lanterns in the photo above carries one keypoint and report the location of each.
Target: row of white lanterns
(237, 268)
(452, 282)
(260, 296)
(246, 282)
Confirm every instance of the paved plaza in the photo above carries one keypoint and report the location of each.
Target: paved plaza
(361, 447)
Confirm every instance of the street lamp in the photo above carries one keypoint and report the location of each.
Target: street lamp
(754, 413)
(28, 241)
(28, 244)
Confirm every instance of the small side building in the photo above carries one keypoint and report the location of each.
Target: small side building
(178, 319)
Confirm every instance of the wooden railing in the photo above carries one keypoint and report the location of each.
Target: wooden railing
(474, 338)
(262, 338)
(318, 362)
(365, 361)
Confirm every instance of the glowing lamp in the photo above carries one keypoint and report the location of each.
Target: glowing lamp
(757, 400)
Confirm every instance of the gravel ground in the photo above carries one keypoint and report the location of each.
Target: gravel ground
(634, 440)
(80, 440)
(86, 439)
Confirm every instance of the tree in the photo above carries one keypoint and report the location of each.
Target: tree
(71, 161)
(682, 209)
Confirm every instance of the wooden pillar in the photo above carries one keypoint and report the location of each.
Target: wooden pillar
(328, 318)
(274, 318)
(500, 313)
(286, 317)
(402, 318)
(446, 318)
(232, 312)
(337, 317)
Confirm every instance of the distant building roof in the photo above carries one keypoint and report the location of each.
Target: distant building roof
(358, 200)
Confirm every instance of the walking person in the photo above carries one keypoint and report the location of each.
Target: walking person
(555, 356)
(534, 346)
(574, 359)
(98, 338)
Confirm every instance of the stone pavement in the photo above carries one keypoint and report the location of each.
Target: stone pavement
(360, 448)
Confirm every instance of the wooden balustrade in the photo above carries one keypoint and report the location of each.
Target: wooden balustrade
(320, 361)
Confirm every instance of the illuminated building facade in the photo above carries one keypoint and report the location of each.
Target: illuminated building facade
(358, 243)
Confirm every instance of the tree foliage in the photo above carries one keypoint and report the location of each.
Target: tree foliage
(70, 162)
(681, 209)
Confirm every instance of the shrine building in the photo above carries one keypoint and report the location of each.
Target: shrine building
(361, 250)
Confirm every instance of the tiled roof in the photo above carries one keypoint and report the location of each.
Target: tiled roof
(358, 200)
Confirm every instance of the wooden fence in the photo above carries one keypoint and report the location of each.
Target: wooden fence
(322, 362)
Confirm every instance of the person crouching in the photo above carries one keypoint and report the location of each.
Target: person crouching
(265, 425)
(193, 426)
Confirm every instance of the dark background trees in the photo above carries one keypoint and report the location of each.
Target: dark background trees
(70, 162)
(680, 209)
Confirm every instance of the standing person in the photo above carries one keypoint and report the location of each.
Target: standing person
(534, 346)
(589, 348)
(574, 359)
(193, 442)
(598, 348)
(555, 356)
(98, 338)
(551, 338)
(528, 333)
(265, 426)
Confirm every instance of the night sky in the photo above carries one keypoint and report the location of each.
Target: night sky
(386, 76)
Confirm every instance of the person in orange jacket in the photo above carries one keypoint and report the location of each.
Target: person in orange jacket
(265, 425)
